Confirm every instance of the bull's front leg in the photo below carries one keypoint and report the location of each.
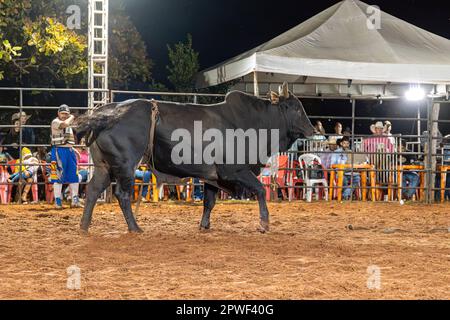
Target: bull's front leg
(209, 201)
(263, 210)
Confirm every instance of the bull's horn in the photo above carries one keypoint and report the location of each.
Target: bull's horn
(284, 90)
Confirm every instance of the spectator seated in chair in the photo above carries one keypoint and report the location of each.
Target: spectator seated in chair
(411, 179)
(82, 154)
(326, 157)
(341, 156)
(145, 175)
(26, 172)
(198, 192)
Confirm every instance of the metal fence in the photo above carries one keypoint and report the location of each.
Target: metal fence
(383, 153)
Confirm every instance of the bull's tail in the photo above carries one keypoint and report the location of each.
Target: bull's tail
(102, 118)
(89, 130)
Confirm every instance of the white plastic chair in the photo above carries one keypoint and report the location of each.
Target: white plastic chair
(306, 162)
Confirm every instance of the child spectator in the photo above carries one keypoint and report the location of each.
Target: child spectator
(27, 171)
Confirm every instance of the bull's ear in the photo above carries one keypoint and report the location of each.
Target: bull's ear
(284, 90)
(274, 97)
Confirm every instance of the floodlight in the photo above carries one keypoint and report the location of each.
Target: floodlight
(415, 94)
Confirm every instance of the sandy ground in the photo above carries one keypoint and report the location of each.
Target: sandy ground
(310, 253)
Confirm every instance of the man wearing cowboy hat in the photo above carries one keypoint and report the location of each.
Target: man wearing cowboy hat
(378, 129)
(18, 120)
(27, 133)
(64, 156)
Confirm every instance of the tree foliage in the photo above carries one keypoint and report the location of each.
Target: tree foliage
(38, 50)
(183, 65)
(42, 46)
(129, 65)
(50, 43)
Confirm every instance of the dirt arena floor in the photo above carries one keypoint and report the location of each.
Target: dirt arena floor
(314, 251)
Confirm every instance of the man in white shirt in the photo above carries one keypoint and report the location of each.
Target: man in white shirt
(63, 154)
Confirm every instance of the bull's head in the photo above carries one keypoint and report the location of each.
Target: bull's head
(298, 121)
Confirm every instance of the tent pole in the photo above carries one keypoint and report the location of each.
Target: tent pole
(427, 156)
(419, 146)
(418, 127)
(255, 83)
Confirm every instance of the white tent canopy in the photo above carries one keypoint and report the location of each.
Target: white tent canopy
(339, 45)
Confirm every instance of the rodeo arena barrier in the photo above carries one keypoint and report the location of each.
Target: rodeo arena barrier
(373, 171)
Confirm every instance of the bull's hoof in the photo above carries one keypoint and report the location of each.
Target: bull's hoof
(263, 226)
(84, 231)
(206, 228)
(137, 230)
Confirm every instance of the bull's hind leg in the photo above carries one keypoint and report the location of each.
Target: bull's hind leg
(209, 201)
(123, 194)
(251, 183)
(99, 182)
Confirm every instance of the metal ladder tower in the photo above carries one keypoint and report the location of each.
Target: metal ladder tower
(98, 53)
(98, 13)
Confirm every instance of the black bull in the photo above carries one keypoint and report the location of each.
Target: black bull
(118, 135)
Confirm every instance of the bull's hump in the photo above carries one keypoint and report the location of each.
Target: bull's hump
(236, 97)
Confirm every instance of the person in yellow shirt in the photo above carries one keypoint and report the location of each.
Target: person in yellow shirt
(26, 171)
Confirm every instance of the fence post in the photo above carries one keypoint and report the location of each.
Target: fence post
(155, 193)
(353, 101)
(434, 134)
(20, 186)
(433, 114)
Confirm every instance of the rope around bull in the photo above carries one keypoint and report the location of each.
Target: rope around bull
(148, 154)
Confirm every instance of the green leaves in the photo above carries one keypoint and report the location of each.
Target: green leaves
(43, 52)
(51, 37)
(183, 65)
(34, 46)
(7, 52)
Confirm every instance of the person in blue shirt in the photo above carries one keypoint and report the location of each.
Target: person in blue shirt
(411, 179)
(145, 176)
(341, 156)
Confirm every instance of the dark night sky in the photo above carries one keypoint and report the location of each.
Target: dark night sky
(222, 29)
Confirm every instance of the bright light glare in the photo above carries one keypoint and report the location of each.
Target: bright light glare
(415, 94)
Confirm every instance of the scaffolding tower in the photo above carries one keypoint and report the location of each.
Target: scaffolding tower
(97, 61)
(97, 53)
